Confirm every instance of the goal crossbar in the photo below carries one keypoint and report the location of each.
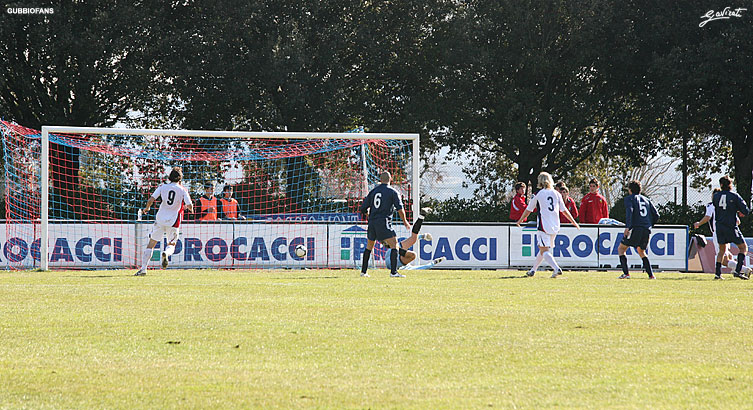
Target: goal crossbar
(45, 160)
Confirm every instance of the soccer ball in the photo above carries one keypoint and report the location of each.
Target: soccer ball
(300, 251)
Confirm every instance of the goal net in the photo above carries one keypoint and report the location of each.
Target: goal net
(74, 194)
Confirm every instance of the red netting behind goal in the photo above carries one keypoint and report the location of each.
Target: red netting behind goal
(285, 193)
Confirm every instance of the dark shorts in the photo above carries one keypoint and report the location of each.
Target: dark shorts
(725, 234)
(637, 238)
(380, 229)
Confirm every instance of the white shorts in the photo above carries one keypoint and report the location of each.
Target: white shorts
(544, 239)
(159, 231)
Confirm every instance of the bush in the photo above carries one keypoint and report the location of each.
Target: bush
(467, 210)
(669, 213)
(472, 210)
(673, 214)
(746, 226)
(676, 214)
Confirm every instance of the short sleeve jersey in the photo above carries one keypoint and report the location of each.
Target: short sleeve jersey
(382, 201)
(550, 204)
(639, 212)
(710, 214)
(174, 196)
(726, 206)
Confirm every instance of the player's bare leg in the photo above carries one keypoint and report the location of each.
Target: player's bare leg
(147, 256)
(621, 249)
(405, 244)
(407, 256)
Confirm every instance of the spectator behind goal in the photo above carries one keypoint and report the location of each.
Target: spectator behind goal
(519, 202)
(569, 202)
(593, 206)
(229, 204)
(208, 204)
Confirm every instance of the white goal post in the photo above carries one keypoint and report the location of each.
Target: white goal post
(229, 137)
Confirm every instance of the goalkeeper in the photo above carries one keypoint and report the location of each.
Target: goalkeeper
(406, 256)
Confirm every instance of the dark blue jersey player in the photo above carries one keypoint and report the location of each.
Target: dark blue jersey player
(379, 205)
(727, 206)
(640, 216)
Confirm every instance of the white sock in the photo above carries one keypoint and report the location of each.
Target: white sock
(746, 270)
(550, 259)
(536, 264)
(732, 265)
(147, 258)
(169, 250)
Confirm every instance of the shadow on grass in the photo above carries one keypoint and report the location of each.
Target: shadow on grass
(93, 276)
(697, 278)
(312, 277)
(514, 277)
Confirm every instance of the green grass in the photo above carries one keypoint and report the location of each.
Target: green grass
(330, 339)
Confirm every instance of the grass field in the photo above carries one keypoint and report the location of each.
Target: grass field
(330, 339)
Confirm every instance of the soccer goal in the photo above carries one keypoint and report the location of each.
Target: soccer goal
(261, 199)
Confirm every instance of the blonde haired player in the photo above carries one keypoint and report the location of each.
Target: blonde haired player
(167, 222)
(550, 204)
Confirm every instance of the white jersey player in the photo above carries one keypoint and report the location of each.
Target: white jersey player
(550, 204)
(175, 199)
(728, 259)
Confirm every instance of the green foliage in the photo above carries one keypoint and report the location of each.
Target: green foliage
(701, 88)
(87, 64)
(292, 66)
(677, 214)
(467, 210)
(527, 81)
(523, 84)
(746, 226)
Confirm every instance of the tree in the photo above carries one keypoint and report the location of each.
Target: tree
(292, 66)
(87, 64)
(702, 78)
(529, 81)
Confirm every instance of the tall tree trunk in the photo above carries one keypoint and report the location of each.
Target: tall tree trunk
(742, 153)
(528, 170)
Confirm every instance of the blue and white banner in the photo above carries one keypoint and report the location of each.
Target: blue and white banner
(571, 247)
(249, 245)
(596, 247)
(334, 245)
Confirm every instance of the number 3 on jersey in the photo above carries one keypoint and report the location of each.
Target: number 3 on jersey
(377, 200)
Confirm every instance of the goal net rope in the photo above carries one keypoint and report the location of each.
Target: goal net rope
(257, 196)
